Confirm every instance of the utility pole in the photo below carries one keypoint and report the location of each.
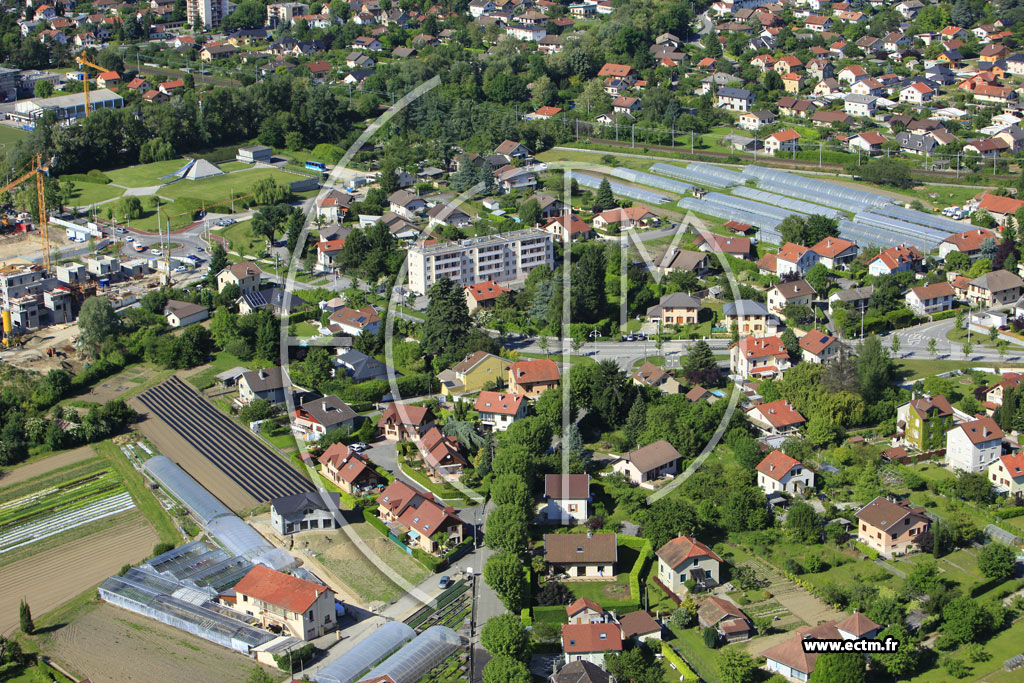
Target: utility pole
(821, 146)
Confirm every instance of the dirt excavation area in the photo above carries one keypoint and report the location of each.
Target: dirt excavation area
(52, 577)
(112, 645)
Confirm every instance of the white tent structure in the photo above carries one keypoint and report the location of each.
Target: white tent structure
(197, 169)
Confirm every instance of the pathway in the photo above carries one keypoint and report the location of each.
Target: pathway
(891, 569)
(809, 608)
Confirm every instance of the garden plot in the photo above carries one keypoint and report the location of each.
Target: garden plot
(63, 506)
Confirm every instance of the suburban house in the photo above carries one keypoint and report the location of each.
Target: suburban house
(678, 308)
(968, 242)
(286, 604)
(684, 558)
(777, 417)
(567, 497)
(818, 347)
(859, 298)
(269, 384)
(440, 453)
(890, 527)
(471, 373)
(755, 120)
(579, 556)
(585, 611)
(649, 463)
(638, 216)
(1007, 474)
(306, 510)
(354, 322)
(245, 274)
(779, 472)
(999, 207)
(994, 393)
(782, 141)
(725, 617)
(313, 419)
(359, 366)
(735, 99)
(531, 378)
(898, 259)
(995, 288)
(352, 472)
(923, 422)
(426, 523)
(933, 298)
(749, 317)
(973, 446)
(675, 259)
(639, 626)
(498, 410)
(794, 258)
(400, 422)
(183, 314)
(758, 357)
(589, 642)
(789, 658)
(483, 295)
(797, 292)
(406, 204)
(568, 228)
(714, 243)
(651, 375)
(835, 252)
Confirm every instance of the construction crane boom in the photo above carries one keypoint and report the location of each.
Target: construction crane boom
(85, 78)
(39, 171)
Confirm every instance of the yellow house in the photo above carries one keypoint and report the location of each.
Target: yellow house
(1007, 474)
(470, 375)
(792, 83)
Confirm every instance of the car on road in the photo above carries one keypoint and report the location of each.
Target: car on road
(200, 249)
(445, 582)
(225, 221)
(156, 252)
(180, 269)
(120, 230)
(358, 447)
(129, 238)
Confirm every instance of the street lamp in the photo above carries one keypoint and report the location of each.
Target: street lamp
(594, 335)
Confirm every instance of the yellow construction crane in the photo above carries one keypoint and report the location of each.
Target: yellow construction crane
(85, 78)
(39, 171)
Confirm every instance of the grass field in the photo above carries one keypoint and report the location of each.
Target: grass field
(218, 188)
(145, 175)
(241, 239)
(86, 194)
(146, 503)
(10, 135)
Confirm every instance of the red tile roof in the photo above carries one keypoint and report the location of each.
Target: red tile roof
(1001, 205)
(970, 240)
(815, 342)
(581, 604)
(780, 413)
(497, 402)
(777, 464)
(534, 371)
(762, 347)
(981, 430)
(619, 70)
(1014, 464)
(486, 291)
(584, 638)
(792, 252)
(683, 548)
(282, 590)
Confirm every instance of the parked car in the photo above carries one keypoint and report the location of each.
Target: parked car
(120, 230)
(445, 582)
(156, 252)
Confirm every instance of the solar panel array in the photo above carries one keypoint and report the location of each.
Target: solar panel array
(787, 202)
(622, 190)
(922, 218)
(700, 174)
(766, 224)
(657, 181)
(812, 189)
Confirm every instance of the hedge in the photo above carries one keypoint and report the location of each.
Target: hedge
(646, 552)
(93, 176)
(685, 672)
(1008, 513)
(944, 315)
(524, 614)
(375, 521)
(870, 552)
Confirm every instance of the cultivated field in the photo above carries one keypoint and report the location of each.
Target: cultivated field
(214, 449)
(111, 645)
(37, 468)
(49, 578)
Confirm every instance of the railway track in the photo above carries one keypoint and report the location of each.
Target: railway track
(251, 465)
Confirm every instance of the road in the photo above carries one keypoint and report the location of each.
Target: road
(914, 344)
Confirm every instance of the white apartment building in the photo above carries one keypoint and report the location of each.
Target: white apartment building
(499, 258)
(205, 13)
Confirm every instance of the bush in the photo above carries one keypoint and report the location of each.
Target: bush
(870, 552)
(793, 567)
(710, 636)
(294, 658)
(161, 548)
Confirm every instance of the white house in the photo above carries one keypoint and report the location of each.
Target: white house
(182, 313)
(795, 258)
(973, 446)
(932, 298)
(498, 410)
(647, 464)
(567, 497)
(779, 472)
(685, 558)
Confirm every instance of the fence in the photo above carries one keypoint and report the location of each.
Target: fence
(920, 457)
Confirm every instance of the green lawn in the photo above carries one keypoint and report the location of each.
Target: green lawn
(1002, 647)
(147, 504)
(35, 673)
(145, 175)
(229, 166)
(218, 188)
(241, 239)
(86, 194)
(10, 135)
(221, 362)
(305, 329)
(918, 368)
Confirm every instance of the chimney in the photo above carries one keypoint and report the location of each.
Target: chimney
(323, 405)
(263, 373)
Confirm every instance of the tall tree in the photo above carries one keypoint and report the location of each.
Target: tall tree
(604, 199)
(505, 669)
(503, 571)
(97, 321)
(874, 368)
(589, 299)
(28, 627)
(505, 635)
(447, 323)
(839, 667)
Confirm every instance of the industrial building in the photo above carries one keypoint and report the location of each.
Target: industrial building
(67, 107)
(498, 258)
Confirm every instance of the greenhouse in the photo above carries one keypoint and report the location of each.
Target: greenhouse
(652, 180)
(700, 174)
(729, 213)
(177, 482)
(621, 190)
(366, 654)
(813, 190)
(415, 660)
(787, 202)
(921, 218)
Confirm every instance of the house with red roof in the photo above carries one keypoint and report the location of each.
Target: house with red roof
(967, 242)
(891, 527)
(483, 295)
(898, 259)
(1007, 474)
(567, 228)
(327, 252)
(531, 378)
(782, 141)
(778, 472)
(351, 321)
(684, 558)
(352, 472)
(759, 357)
(725, 617)
(285, 604)
(498, 410)
(998, 207)
(441, 454)
(544, 113)
(589, 642)
(777, 417)
(795, 258)
(835, 252)
(620, 71)
(994, 393)
(637, 216)
(973, 446)
(401, 422)
(818, 347)
(585, 610)
(734, 246)
(789, 659)
(869, 142)
(424, 522)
